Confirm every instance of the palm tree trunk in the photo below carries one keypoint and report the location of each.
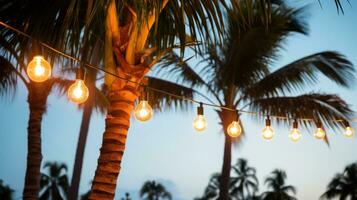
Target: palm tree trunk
(37, 103)
(121, 103)
(226, 169)
(82, 140)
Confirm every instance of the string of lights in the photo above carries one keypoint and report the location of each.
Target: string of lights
(39, 70)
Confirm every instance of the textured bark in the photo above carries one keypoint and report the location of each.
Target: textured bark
(226, 169)
(226, 118)
(121, 99)
(82, 140)
(37, 98)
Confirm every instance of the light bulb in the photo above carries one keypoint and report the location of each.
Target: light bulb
(349, 131)
(199, 124)
(78, 92)
(320, 133)
(143, 111)
(38, 70)
(295, 135)
(268, 133)
(234, 129)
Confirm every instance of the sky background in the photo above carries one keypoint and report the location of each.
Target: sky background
(167, 149)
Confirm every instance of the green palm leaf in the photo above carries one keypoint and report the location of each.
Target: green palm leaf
(160, 100)
(323, 107)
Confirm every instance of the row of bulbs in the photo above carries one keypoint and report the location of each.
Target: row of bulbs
(143, 112)
(234, 129)
(39, 70)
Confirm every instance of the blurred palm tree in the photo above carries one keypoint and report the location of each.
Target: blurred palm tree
(152, 190)
(12, 70)
(245, 181)
(278, 188)
(54, 183)
(238, 74)
(127, 196)
(212, 190)
(17, 50)
(6, 191)
(344, 185)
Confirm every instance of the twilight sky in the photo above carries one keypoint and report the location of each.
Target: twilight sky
(169, 150)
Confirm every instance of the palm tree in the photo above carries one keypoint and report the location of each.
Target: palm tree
(133, 44)
(14, 49)
(5, 191)
(54, 184)
(127, 196)
(151, 190)
(344, 185)
(237, 73)
(213, 187)
(37, 100)
(276, 182)
(245, 180)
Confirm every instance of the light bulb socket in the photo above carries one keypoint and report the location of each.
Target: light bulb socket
(200, 109)
(237, 116)
(319, 124)
(346, 123)
(144, 94)
(295, 124)
(267, 121)
(80, 73)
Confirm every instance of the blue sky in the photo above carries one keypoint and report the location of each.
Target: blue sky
(169, 150)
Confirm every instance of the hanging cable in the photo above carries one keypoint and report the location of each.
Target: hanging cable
(85, 64)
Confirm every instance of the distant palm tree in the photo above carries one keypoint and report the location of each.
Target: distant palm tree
(5, 191)
(212, 190)
(127, 196)
(344, 185)
(54, 184)
(245, 180)
(151, 190)
(278, 188)
(237, 73)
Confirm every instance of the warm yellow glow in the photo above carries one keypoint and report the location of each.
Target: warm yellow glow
(295, 135)
(268, 133)
(39, 70)
(234, 129)
(320, 133)
(78, 92)
(349, 131)
(143, 111)
(199, 123)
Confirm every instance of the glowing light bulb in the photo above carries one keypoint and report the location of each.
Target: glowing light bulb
(199, 123)
(320, 132)
(268, 131)
(78, 92)
(38, 70)
(143, 111)
(349, 131)
(295, 134)
(234, 129)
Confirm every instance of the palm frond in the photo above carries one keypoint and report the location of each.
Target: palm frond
(175, 67)
(250, 45)
(8, 77)
(160, 101)
(298, 74)
(323, 107)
